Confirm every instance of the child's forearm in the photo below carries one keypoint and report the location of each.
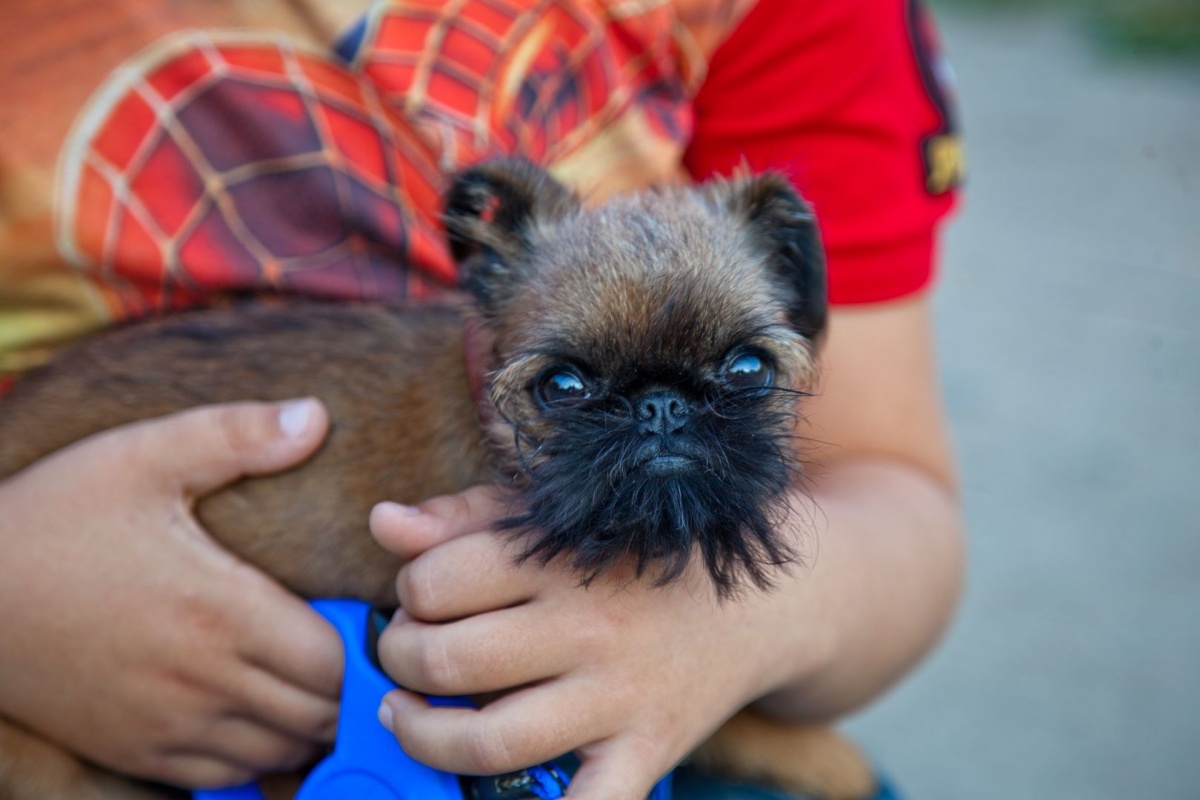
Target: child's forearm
(883, 551)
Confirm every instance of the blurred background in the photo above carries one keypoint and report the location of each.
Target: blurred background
(1070, 337)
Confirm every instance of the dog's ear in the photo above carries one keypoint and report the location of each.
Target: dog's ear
(495, 213)
(782, 223)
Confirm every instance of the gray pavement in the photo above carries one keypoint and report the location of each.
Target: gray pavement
(1070, 336)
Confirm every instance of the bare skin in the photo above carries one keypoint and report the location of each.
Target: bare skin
(234, 676)
(130, 637)
(634, 677)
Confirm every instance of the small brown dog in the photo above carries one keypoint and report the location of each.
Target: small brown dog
(645, 360)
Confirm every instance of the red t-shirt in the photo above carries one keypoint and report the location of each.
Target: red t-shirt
(848, 98)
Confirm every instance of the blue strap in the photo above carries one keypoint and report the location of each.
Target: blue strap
(549, 781)
(367, 763)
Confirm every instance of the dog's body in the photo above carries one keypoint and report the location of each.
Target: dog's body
(370, 365)
(654, 347)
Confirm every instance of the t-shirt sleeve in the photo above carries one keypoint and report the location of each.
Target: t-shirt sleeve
(851, 99)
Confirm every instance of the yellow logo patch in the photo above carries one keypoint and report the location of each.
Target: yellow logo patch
(945, 162)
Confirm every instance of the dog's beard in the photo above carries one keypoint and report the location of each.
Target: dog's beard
(594, 497)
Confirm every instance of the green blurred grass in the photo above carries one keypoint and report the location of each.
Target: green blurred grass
(1158, 29)
(1161, 28)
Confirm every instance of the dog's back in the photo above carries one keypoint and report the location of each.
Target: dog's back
(403, 425)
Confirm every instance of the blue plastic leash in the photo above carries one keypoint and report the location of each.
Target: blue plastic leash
(368, 764)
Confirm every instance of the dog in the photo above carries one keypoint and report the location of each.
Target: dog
(631, 370)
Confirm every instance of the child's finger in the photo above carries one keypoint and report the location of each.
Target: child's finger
(409, 531)
(469, 575)
(614, 770)
(517, 731)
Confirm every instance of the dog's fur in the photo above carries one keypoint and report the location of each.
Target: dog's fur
(652, 453)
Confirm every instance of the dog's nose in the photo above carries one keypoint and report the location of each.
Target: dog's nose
(661, 412)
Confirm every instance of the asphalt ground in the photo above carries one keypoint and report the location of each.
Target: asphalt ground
(1069, 313)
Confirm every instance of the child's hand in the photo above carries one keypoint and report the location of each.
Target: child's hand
(133, 639)
(629, 676)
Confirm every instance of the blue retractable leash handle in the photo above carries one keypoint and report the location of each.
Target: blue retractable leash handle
(368, 764)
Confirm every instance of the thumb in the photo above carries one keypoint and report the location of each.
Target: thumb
(202, 449)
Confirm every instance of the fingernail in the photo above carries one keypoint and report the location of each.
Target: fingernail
(399, 508)
(385, 715)
(295, 417)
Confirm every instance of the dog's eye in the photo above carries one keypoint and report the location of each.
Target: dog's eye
(748, 371)
(559, 385)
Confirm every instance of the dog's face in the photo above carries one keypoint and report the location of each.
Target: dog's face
(648, 356)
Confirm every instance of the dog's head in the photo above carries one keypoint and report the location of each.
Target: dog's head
(648, 355)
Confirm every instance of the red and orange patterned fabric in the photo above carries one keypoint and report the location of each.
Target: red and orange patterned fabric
(217, 162)
(161, 154)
